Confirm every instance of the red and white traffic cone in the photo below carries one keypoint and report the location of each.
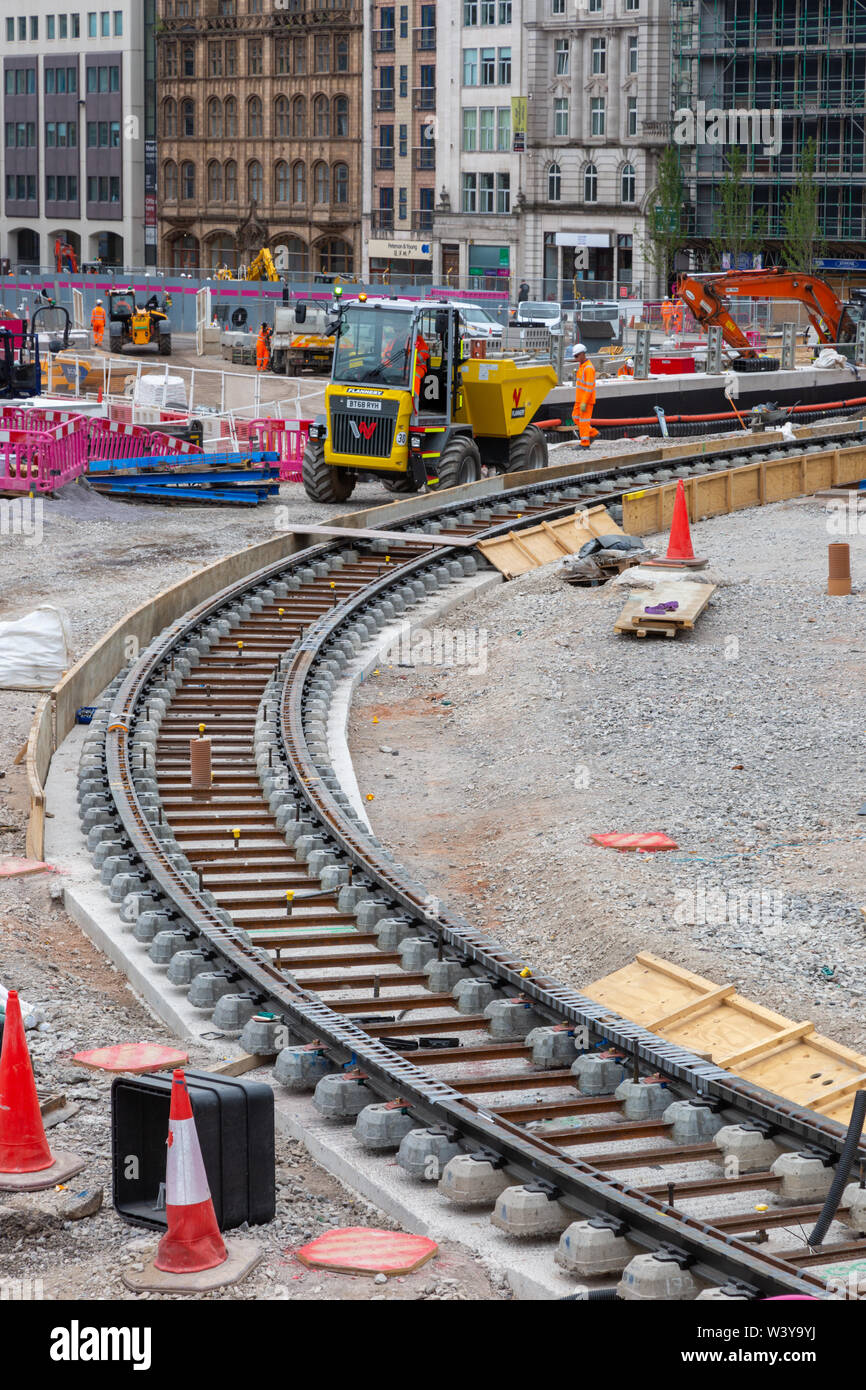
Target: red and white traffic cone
(192, 1241)
(192, 1255)
(26, 1161)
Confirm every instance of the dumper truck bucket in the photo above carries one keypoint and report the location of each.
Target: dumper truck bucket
(503, 396)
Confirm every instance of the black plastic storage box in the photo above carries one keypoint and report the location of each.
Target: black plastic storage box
(235, 1124)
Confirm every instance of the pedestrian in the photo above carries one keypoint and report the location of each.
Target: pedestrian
(667, 315)
(523, 292)
(678, 316)
(97, 323)
(584, 396)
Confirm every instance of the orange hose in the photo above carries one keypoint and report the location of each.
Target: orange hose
(728, 415)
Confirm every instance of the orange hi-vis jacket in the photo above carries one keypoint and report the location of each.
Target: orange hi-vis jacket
(97, 318)
(422, 361)
(584, 387)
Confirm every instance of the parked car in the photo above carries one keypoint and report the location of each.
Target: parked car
(479, 322)
(538, 313)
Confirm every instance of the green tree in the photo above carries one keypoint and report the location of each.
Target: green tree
(738, 228)
(801, 227)
(667, 217)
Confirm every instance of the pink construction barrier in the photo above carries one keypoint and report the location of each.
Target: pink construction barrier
(41, 461)
(285, 437)
(111, 440)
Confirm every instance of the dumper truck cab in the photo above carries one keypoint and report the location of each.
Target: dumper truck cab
(408, 403)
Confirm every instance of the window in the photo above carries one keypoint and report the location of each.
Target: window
(404, 141)
(385, 94)
(385, 150)
(254, 57)
(299, 182)
(470, 67)
(299, 117)
(188, 60)
(503, 193)
(105, 24)
(554, 183)
(632, 116)
(255, 125)
(402, 204)
(231, 57)
(169, 60)
(230, 111)
(187, 118)
(49, 26)
(321, 116)
(470, 13)
(504, 11)
(91, 24)
(255, 182)
(590, 184)
(22, 28)
(560, 115)
(386, 29)
(594, 6)
(505, 67)
(596, 107)
(76, 26)
(300, 49)
(169, 118)
(282, 182)
(118, 23)
(404, 80)
(341, 184)
(486, 137)
(215, 118)
(557, 6)
(470, 192)
(341, 54)
(281, 117)
(231, 181)
(488, 11)
(503, 128)
(113, 135)
(62, 27)
(561, 56)
(599, 57)
(486, 191)
(341, 116)
(282, 56)
(34, 26)
(386, 207)
(215, 59)
(628, 184)
(187, 181)
(470, 128)
(215, 182)
(321, 183)
(322, 51)
(632, 4)
(404, 21)
(632, 53)
(169, 182)
(10, 38)
(488, 67)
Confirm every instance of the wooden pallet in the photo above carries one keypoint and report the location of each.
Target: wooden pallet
(782, 1056)
(522, 551)
(692, 600)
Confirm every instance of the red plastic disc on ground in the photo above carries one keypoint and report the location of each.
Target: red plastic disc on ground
(365, 1250)
(648, 841)
(132, 1057)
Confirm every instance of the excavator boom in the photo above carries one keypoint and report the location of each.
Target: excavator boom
(707, 296)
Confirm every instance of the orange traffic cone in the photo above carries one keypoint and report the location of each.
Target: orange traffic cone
(26, 1161)
(192, 1256)
(192, 1241)
(680, 553)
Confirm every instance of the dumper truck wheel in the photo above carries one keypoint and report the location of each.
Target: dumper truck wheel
(115, 342)
(527, 450)
(323, 483)
(459, 462)
(401, 482)
(165, 345)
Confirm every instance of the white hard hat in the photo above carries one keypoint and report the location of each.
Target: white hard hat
(99, 301)
(578, 347)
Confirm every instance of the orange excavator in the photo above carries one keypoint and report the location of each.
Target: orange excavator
(707, 296)
(65, 257)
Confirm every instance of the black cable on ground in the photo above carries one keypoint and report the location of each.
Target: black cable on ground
(849, 1148)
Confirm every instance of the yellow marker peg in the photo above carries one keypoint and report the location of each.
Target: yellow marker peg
(332, 585)
(375, 719)
(237, 834)
(201, 728)
(376, 672)
(370, 796)
(762, 1206)
(281, 611)
(387, 559)
(289, 898)
(240, 648)
(525, 973)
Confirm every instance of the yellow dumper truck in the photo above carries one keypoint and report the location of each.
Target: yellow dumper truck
(408, 403)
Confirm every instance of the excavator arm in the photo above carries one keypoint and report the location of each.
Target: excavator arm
(707, 296)
(262, 267)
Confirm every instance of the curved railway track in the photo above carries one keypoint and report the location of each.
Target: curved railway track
(272, 902)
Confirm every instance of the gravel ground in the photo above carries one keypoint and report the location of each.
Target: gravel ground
(741, 740)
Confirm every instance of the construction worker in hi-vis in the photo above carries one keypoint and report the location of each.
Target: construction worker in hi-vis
(584, 396)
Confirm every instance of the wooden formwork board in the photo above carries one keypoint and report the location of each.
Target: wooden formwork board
(776, 1053)
(521, 551)
(650, 510)
(692, 599)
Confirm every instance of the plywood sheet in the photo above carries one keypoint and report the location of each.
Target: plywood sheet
(784, 1057)
(692, 599)
(522, 551)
